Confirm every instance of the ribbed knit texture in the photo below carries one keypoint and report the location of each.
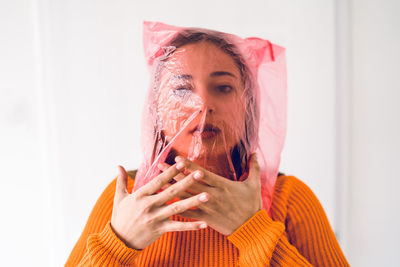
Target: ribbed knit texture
(298, 234)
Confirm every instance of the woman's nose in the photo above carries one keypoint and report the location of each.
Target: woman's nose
(209, 110)
(208, 104)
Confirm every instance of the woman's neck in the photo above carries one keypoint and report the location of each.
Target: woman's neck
(218, 164)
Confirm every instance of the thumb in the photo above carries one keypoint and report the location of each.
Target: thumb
(254, 169)
(122, 179)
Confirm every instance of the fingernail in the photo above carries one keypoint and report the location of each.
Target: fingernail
(178, 158)
(203, 225)
(180, 165)
(203, 198)
(161, 166)
(197, 175)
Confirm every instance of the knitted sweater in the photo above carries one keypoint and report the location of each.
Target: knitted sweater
(297, 234)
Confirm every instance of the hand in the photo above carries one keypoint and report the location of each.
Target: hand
(231, 203)
(142, 217)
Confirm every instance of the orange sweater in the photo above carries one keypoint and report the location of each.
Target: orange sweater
(298, 234)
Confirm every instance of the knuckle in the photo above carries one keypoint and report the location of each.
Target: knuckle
(136, 197)
(157, 230)
(217, 184)
(256, 166)
(176, 209)
(188, 163)
(145, 205)
(189, 180)
(149, 204)
(216, 199)
(149, 220)
(171, 172)
(172, 191)
(158, 182)
(145, 210)
(160, 230)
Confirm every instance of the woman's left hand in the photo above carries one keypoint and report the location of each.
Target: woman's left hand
(230, 203)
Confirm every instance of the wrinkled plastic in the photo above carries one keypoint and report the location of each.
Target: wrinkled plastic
(216, 121)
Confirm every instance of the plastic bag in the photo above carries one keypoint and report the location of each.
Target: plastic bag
(214, 98)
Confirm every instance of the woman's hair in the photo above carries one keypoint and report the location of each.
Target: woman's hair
(249, 138)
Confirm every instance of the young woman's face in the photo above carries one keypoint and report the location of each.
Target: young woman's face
(201, 96)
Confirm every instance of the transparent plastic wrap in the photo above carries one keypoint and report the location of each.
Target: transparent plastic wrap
(214, 98)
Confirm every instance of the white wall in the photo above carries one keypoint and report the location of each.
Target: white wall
(375, 136)
(72, 83)
(20, 156)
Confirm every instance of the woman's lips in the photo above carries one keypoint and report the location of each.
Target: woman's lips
(207, 131)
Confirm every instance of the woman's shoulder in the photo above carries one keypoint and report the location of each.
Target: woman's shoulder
(289, 189)
(292, 195)
(289, 183)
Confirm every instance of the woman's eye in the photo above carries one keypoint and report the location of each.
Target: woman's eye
(182, 91)
(225, 88)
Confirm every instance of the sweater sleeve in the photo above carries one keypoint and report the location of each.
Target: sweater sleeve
(98, 244)
(306, 238)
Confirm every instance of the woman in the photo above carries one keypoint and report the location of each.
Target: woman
(202, 197)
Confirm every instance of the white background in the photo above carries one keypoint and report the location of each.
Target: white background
(73, 80)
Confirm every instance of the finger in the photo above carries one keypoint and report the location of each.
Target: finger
(210, 178)
(197, 188)
(164, 166)
(177, 188)
(182, 205)
(166, 186)
(181, 195)
(158, 182)
(184, 195)
(254, 169)
(122, 180)
(171, 182)
(192, 214)
(174, 226)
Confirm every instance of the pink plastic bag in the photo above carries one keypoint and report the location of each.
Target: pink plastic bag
(223, 121)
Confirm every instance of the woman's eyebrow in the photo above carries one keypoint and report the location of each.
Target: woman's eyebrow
(212, 74)
(222, 73)
(182, 76)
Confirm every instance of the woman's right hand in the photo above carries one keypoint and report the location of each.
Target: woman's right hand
(141, 217)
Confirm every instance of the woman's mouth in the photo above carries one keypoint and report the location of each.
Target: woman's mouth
(206, 131)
